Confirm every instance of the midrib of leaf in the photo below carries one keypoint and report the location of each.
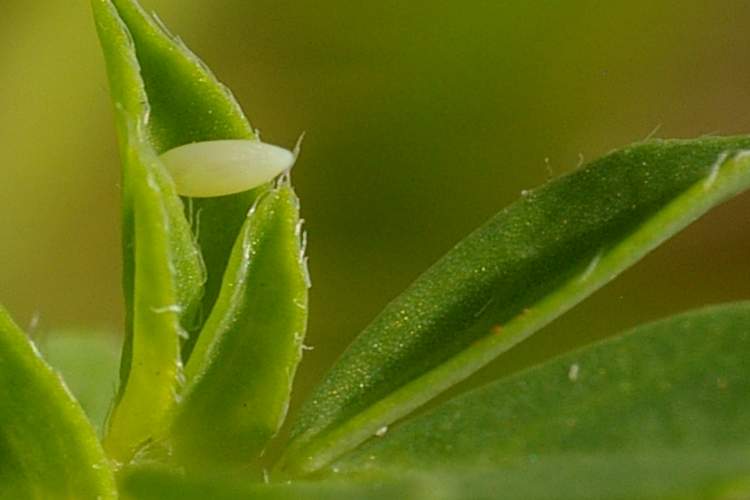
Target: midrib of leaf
(317, 445)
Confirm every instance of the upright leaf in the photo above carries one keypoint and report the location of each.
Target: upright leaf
(523, 268)
(239, 378)
(186, 103)
(152, 383)
(163, 273)
(48, 449)
(165, 97)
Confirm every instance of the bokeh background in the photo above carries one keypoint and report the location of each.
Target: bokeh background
(423, 118)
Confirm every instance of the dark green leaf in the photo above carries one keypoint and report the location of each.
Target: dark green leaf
(670, 393)
(48, 449)
(522, 269)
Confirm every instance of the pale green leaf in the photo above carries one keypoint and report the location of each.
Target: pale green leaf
(165, 97)
(239, 378)
(163, 274)
(185, 103)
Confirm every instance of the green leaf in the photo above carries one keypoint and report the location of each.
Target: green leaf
(522, 269)
(160, 484)
(163, 273)
(679, 383)
(687, 476)
(182, 102)
(667, 400)
(87, 362)
(653, 475)
(239, 378)
(164, 97)
(153, 378)
(48, 449)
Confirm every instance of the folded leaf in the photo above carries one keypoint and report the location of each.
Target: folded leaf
(152, 383)
(239, 378)
(679, 385)
(164, 97)
(185, 103)
(522, 269)
(135, 118)
(48, 449)
(163, 273)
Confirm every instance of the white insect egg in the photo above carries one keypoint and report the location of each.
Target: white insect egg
(218, 168)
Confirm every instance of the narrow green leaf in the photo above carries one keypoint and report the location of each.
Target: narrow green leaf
(155, 370)
(163, 273)
(522, 269)
(678, 385)
(239, 378)
(164, 97)
(48, 449)
(185, 104)
(135, 117)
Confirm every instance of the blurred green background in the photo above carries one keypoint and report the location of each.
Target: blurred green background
(422, 120)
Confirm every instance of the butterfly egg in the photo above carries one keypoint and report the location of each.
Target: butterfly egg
(218, 168)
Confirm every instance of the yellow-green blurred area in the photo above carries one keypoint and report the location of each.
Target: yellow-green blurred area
(423, 118)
